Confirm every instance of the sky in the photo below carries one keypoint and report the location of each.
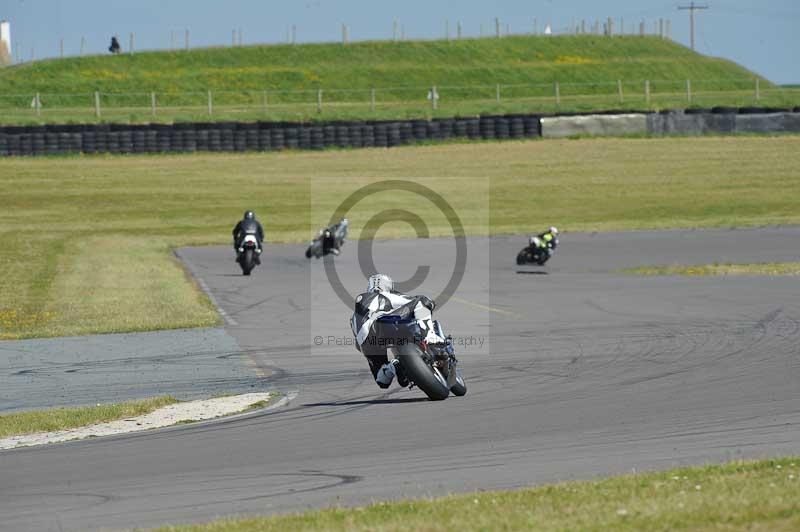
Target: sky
(760, 35)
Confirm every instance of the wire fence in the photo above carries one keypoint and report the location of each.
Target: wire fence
(366, 102)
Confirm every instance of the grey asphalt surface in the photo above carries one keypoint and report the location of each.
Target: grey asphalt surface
(187, 363)
(586, 372)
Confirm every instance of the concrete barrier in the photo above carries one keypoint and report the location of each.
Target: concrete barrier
(768, 123)
(606, 125)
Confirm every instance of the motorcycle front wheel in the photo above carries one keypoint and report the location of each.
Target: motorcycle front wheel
(427, 379)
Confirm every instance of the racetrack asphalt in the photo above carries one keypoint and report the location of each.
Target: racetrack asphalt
(585, 372)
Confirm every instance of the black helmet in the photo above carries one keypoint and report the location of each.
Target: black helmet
(249, 215)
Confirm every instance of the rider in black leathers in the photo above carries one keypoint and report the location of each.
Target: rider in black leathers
(248, 225)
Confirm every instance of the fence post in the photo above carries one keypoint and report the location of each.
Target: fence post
(647, 91)
(97, 104)
(153, 102)
(210, 104)
(558, 94)
(758, 90)
(319, 100)
(619, 91)
(688, 91)
(372, 100)
(37, 104)
(497, 93)
(434, 98)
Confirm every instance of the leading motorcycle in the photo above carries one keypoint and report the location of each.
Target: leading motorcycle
(248, 254)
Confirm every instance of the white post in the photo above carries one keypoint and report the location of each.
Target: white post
(434, 98)
(619, 90)
(372, 100)
(688, 91)
(758, 90)
(558, 95)
(647, 91)
(153, 103)
(319, 100)
(210, 104)
(497, 93)
(97, 104)
(37, 103)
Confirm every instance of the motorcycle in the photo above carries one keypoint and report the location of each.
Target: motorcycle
(533, 254)
(433, 368)
(248, 255)
(337, 232)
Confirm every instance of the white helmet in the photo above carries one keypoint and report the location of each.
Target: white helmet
(554, 230)
(380, 282)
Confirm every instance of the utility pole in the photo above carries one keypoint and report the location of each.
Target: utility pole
(692, 7)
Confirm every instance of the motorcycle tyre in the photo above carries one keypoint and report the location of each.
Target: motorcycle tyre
(420, 373)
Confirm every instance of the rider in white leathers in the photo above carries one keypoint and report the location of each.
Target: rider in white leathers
(380, 299)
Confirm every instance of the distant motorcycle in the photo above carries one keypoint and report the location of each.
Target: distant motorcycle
(248, 254)
(433, 368)
(534, 254)
(329, 240)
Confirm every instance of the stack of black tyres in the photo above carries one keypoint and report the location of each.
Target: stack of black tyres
(419, 130)
(368, 135)
(460, 128)
(251, 136)
(317, 138)
(393, 134)
(381, 134)
(406, 133)
(354, 131)
(304, 133)
(277, 139)
(502, 128)
(291, 137)
(516, 127)
(487, 127)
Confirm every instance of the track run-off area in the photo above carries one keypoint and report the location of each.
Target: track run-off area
(583, 371)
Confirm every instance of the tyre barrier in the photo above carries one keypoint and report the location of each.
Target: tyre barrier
(274, 136)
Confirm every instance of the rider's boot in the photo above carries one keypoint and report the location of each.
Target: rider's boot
(387, 373)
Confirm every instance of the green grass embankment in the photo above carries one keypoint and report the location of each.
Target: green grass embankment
(466, 72)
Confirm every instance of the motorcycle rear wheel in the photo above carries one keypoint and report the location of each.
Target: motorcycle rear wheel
(248, 262)
(420, 373)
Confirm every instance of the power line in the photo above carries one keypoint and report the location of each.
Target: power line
(692, 7)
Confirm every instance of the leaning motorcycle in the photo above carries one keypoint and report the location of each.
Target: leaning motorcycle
(317, 248)
(433, 368)
(247, 254)
(534, 255)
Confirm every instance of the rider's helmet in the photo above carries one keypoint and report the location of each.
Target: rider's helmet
(249, 215)
(553, 230)
(344, 221)
(380, 282)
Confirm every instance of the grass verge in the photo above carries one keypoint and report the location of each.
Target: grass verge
(98, 259)
(762, 495)
(770, 268)
(19, 423)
